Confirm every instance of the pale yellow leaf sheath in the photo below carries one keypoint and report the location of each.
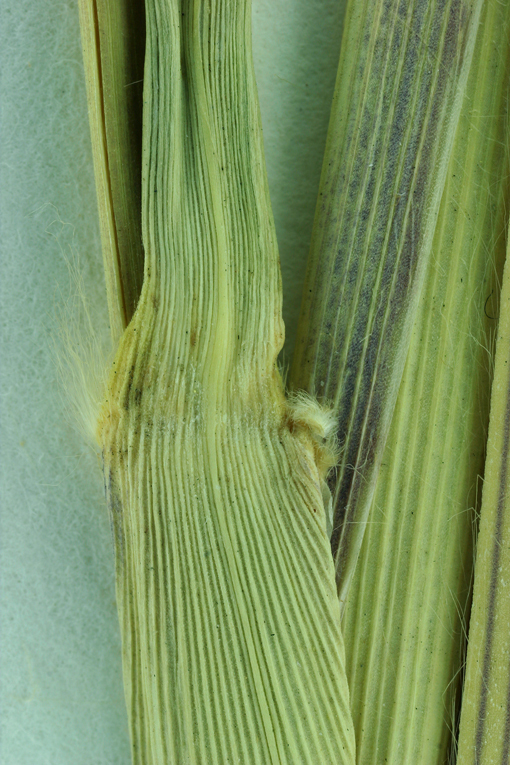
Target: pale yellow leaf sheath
(232, 649)
(402, 72)
(485, 718)
(407, 611)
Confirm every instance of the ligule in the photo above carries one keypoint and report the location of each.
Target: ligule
(485, 716)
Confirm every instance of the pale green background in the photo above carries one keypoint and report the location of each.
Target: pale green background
(61, 693)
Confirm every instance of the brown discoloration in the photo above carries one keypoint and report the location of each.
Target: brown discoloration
(127, 397)
(115, 512)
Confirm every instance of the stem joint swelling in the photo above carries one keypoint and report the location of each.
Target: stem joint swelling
(232, 648)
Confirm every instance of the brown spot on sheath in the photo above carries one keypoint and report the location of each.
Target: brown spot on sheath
(290, 424)
(131, 375)
(115, 512)
(193, 338)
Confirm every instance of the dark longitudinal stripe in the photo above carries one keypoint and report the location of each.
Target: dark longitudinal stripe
(491, 612)
(368, 378)
(505, 755)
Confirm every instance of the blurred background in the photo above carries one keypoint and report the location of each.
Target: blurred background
(61, 697)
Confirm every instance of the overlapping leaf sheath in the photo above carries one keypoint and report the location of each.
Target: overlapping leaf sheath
(113, 40)
(401, 77)
(406, 615)
(485, 718)
(232, 647)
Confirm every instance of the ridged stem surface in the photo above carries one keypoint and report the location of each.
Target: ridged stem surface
(406, 616)
(485, 717)
(232, 647)
(402, 72)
